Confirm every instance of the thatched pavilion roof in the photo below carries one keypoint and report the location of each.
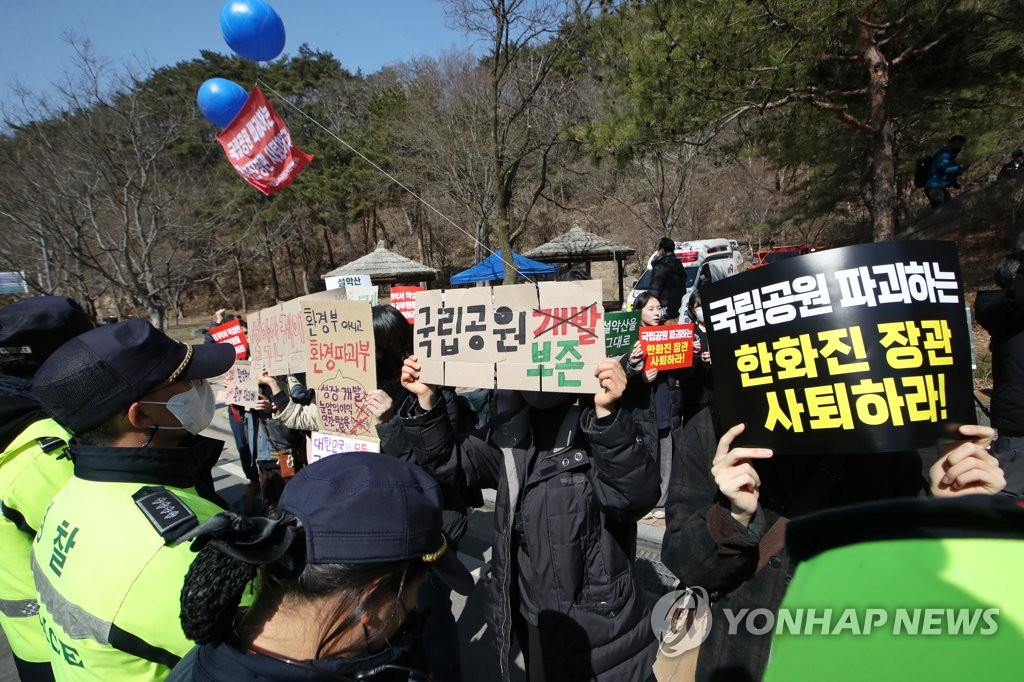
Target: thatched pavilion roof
(386, 267)
(579, 245)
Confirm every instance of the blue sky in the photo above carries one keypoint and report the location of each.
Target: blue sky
(362, 34)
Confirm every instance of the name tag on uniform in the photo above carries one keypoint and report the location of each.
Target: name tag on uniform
(169, 515)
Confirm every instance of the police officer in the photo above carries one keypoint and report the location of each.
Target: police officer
(32, 468)
(108, 569)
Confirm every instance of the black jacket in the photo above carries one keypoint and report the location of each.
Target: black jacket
(697, 382)
(395, 442)
(576, 504)
(668, 283)
(1001, 313)
(639, 400)
(705, 547)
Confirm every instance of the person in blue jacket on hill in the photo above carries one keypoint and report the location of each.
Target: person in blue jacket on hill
(945, 171)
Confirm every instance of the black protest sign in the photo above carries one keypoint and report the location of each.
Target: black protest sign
(858, 349)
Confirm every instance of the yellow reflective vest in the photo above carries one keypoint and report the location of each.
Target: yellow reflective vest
(108, 570)
(32, 469)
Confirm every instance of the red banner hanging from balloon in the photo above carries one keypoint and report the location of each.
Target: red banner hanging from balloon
(260, 147)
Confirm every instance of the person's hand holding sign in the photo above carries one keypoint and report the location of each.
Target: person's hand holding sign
(966, 467)
(735, 475)
(425, 393)
(379, 405)
(612, 378)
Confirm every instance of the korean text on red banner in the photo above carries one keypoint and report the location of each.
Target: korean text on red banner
(852, 350)
(404, 299)
(259, 146)
(668, 346)
(231, 332)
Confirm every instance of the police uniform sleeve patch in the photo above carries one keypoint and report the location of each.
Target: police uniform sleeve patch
(169, 515)
(50, 444)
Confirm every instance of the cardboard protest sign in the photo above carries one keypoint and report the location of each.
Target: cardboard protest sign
(259, 146)
(620, 332)
(240, 385)
(276, 341)
(404, 300)
(231, 332)
(851, 350)
(361, 293)
(340, 364)
(541, 337)
(276, 338)
(342, 281)
(322, 445)
(667, 346)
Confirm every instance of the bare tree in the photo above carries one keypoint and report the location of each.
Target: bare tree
(525, 39)
(98, 189)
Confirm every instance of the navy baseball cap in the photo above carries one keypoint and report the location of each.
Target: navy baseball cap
(360, 508)
(35, 327)
(95, 375)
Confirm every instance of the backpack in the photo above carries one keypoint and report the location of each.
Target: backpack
(922, 171)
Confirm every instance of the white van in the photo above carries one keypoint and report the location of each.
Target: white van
(723, 257)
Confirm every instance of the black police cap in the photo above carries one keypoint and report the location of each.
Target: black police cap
(101, 372)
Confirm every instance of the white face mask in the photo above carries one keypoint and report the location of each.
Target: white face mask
(194, 408)
(698, 313)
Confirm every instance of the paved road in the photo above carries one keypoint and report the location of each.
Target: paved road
(478, 660)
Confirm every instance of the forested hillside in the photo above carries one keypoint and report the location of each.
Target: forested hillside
(789, 121)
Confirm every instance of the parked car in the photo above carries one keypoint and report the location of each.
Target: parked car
(777, 253)
(722, 255)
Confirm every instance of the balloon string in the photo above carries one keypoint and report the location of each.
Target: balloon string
(390, 177)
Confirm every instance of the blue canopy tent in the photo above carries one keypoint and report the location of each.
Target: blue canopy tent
(492, 268)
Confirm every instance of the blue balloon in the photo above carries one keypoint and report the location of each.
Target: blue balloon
(220, 100)
(252, 29)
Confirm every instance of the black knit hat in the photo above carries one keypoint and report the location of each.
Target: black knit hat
(96, 375)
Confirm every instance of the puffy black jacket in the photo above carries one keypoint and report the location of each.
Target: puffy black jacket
(668, 283)
(639, 400)
(578, 503)
(1001, 313)
(704, 546)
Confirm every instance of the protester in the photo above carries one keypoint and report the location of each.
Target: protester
(1001, 313)
(242, 424)
(107, 562)
(1014, 168)
(945, 171)
(571, 480)
(393, 341)
(697, 382)
(329, 604)
(668, 279)
(728, 508)
(654, 400)
(278, 451)
(32, 465)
